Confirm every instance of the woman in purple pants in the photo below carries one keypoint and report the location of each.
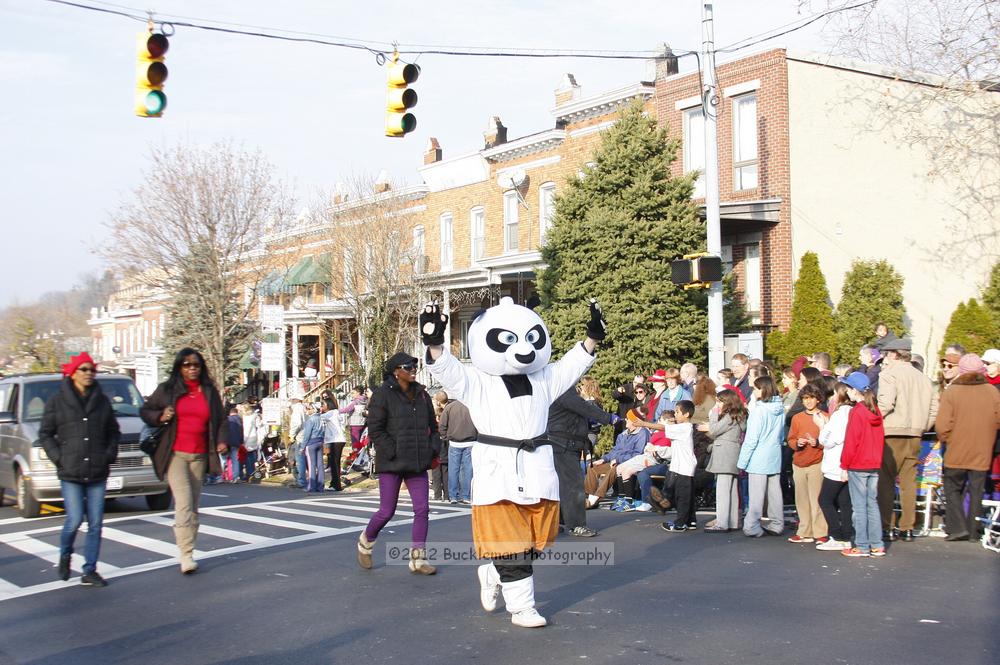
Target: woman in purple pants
(402, 426)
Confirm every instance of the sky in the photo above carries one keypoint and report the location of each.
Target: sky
(72, 151)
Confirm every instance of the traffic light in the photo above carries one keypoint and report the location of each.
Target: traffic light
(150, 74)
(696, 271)
(400, 98)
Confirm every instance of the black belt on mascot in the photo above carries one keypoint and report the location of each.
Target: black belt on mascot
(529, 445)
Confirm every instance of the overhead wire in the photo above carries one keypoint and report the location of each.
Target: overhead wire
(798, 25)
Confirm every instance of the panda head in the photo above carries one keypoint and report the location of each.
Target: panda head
(509, 339)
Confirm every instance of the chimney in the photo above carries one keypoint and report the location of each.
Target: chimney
(433, 152)
(382, 182)
(664, 64)
(496, 133)
(568, 90)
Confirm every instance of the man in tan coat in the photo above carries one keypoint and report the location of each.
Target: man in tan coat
(908, 404)
(967, 424)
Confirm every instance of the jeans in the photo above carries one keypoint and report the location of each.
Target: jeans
(248, 466)
(314, 467)
(646, 480)
(78, 497)
(460, 473)
(233, 457)
(764, 486)
(388, 496)
(301, 466)
(864, 501)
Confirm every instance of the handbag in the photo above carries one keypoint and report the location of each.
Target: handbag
(149, 438)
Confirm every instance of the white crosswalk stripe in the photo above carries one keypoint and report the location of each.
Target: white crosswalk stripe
(136, 537)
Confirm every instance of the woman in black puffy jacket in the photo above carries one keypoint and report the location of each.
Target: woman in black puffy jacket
(79, 433)
(402, 426)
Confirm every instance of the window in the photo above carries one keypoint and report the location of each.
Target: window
(745, 142)
(153, 325)
(348, 277)
(751, 291)
(694, 147)
(546, 208)
(510, 213)
(419, 255)
(477, 227)
(464, 340)
(447, 253)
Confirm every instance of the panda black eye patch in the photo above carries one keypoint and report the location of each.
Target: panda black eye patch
(536, 337)
(500, 340)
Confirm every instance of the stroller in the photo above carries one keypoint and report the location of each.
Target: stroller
(272, 459)
(364, 462)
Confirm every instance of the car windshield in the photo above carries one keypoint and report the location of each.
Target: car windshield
(125, 398)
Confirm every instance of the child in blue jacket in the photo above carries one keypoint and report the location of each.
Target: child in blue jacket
(760, 457)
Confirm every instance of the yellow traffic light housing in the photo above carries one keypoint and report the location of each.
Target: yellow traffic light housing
(150, 74)
(400, 98)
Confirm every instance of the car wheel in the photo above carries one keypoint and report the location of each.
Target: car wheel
(158, 501)
(27, 505)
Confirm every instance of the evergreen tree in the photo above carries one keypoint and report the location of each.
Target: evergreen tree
(811, 329)
(991, 294)
(872, 294)
(972, 326)
(614, 233)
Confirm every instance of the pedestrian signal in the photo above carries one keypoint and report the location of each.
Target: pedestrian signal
(150, 74)
(696, 271)
(400, 98)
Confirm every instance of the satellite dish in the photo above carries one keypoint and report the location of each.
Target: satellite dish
(512, 179)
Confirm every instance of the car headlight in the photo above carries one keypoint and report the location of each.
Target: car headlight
(40, 461)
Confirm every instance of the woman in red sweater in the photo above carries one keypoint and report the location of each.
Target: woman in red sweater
(862, 458)
(188, 404)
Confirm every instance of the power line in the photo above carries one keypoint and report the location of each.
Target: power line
(767, 36)
(379, 49)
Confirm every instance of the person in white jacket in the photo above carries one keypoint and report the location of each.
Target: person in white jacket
(508, 389)
(253, 433)
(834, 495)
(333, 440)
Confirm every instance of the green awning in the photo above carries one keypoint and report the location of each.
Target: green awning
(310, 270)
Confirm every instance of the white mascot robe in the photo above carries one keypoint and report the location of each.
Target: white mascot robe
(510, 346)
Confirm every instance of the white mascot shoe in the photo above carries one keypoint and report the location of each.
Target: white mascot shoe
(489, 586)
(520, 599)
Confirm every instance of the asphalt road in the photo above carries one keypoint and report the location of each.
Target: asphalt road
(297, 596)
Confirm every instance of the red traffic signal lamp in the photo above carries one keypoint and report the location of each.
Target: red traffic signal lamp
(150, 74)
(400, 98)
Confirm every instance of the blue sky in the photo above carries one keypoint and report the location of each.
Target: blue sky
(71, 149)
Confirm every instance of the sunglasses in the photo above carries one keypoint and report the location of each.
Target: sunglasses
(190, 365)
(948, 365)
(640, 390)
(408, 367)
(87, 370)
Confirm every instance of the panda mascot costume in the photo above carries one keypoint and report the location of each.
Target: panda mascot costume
(508, 389)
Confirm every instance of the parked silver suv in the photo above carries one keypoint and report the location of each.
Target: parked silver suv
(24, 465)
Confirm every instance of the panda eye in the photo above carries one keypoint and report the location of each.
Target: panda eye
(536, 337)
(500, 340)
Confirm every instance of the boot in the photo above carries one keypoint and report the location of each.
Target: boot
(188, 564)
(365, 551)
(418, 563)
(520, 599)
(489, 586)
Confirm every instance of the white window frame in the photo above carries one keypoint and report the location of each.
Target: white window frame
(447, 235)
(694, 147)
(546, 209)
(347, 276)
(510, 221)
(419, 250)
(477, 234)
(752, 280)
(746, 173)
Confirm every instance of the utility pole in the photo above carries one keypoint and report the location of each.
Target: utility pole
(709, 105)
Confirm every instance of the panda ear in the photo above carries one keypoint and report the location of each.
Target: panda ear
(479, 314)
(533, 302)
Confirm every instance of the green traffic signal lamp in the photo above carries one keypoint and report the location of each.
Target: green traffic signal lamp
(151, 73)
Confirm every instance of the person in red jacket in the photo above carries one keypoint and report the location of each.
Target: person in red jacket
(861, 459)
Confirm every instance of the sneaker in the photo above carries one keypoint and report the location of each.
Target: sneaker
(799, 539)
(489, 586)
(529, 618)
(643, 507)
(674, 527)
(822, 539)
(582, 532)
(92, 579)
(714, 528)
(64, 567)
(656, 497)
(693, 526)
(878, 551)
(853, 552)
(832, 545)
